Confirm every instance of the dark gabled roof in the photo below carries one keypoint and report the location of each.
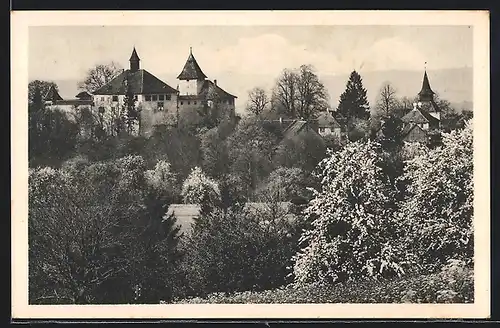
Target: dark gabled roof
(326, 120)
(52, 95)
(419, 116)
(84, 95)
(430, 106)
(210, 91)
(141, 82)
(191, 70)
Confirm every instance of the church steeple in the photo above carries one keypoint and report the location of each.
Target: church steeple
(426, 93)
(134, 61)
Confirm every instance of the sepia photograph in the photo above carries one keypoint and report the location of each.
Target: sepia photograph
(265, 162)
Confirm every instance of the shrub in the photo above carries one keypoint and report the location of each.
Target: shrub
(354, 233)
(438, 210)
(232, 250)
(453, 285)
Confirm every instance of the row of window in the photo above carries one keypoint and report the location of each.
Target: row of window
(158, 97)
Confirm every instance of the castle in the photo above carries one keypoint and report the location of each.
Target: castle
(158, 102)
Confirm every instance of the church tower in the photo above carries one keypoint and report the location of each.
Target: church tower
(134, 61)
(191, 78)
(426, 98)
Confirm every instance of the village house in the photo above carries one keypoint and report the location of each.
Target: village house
(53, 100)
(158, 102)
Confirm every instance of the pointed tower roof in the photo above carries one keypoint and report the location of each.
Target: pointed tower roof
(426, 93)
(134, 55)
(191, 70)
(52, 95)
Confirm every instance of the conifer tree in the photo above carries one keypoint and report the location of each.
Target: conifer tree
(353, 103)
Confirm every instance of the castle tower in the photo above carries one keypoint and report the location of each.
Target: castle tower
(191, 78)
(426, 98)
(134, 61)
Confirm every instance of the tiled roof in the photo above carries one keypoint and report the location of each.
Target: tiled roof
(52, 95)
(191, 70)
(141, 82)
(326, 120)
(210, 91)
(419, 116)
(84, 95)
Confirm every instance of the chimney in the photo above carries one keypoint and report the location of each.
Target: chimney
(215, 82)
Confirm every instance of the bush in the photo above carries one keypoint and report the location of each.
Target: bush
(354, 232)
(454, 284)
(238, 250)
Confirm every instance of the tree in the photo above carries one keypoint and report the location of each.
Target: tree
(200, 189)
(99, 76)
(353, 232)
(130, 111)
(440, 200)
(353, 103)
(257, 101)
(285, 185)
(387, 102)
(300, 93)
(42, 86)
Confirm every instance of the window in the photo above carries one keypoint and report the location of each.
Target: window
(189, 103)
(168, 97)
(194, 102)
(102, 98)
(135, 97)
(161, 97)
(148, 97)
(115, 98)
(160, 106)
(182, 103)
(154, 97)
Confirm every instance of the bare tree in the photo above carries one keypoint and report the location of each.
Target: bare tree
(300, 93)
(387, 101)
(284, 93)
(99, 76)
(257, 101)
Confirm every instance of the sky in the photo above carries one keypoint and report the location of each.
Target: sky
(255, 54)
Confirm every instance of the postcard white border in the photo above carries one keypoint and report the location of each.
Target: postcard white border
(20, 21)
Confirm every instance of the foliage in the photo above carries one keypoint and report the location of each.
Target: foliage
(52, 137)
(200, 189)
(353, 230)
(95, 234)
(454, 284)
(238, 250)
(353, 102)
(440, 200)
(285, 184)
(42, 86)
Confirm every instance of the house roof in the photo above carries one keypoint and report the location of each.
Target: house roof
(419, 116)
(209, 90)
(84, 95)
(52, 95)
(191, 70)
(141, 82)
(326, 120)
